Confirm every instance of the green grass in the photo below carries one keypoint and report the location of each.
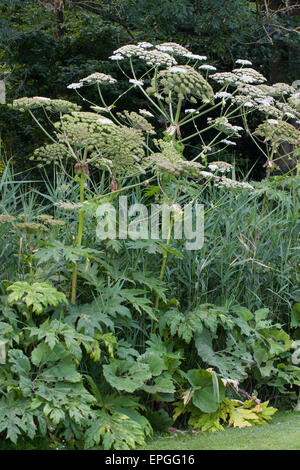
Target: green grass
(282, 433)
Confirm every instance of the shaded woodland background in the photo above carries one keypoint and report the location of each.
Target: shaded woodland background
(47, 44)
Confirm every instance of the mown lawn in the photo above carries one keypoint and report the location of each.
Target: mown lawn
(282, 433)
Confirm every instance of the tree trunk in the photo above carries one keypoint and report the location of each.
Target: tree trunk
(58, 8)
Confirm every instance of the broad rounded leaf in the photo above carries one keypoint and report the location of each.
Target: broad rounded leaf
(126, 375)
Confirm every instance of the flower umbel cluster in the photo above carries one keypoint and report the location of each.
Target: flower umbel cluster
(57, 106)
(278, 132)
(181, 82)
(151, 56)
(118, 149)
(223, 125)
(170, 160)
(98, 77)
(137, 121)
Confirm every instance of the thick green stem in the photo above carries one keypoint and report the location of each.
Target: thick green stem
(79, 233)
(30, 260)
(165, 253)
(178, 111)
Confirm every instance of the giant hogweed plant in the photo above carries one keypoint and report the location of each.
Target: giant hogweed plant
(43, 391)
(127, 142)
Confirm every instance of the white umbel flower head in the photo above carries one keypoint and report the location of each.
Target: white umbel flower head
(228, 183)
(145, 45)
(42, 98)
(213, 167)
(129, 50)
(157, 58)
(165, 48)
(290, 115)
(249, 75)
(243, 62)
(248, 104)
(223, 94)
(221, 166)
(146, 113)
(207, 174)
(136, 82)
(116, 57)
(178, 69)
(100, 109)
(228, 142)
(195, 56)
(191, 110)
(173, 48)
(98, 77)
(207, 67)
(104, 121)
(74, 86)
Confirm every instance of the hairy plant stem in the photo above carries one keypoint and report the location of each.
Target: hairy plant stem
(165, 253)
(79, 232)
(30, 260)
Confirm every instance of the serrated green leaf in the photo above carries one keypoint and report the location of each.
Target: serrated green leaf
(126, 375)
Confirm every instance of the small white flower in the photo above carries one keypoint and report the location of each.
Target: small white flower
(290, 115)
(104, 120)
(206, 174)
(243, 62)
(233, 183)
(238, 128)
(136, 82)
(191, 110)
(221, 166)
(145, 45)
(116, 57)
(223, 94)
(267, 101)
(247, 79)
(99, 108)
(246, 185)
(228, 142)
(207, 67)
(165, 48)
(41, 98)
(146, 113)
(213, 167)
(178, 69)
(97, 77)
(248, 104)
(74, 86)
(195, 56)
(272, 121)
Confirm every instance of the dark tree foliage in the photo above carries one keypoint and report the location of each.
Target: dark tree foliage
(47, 44)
